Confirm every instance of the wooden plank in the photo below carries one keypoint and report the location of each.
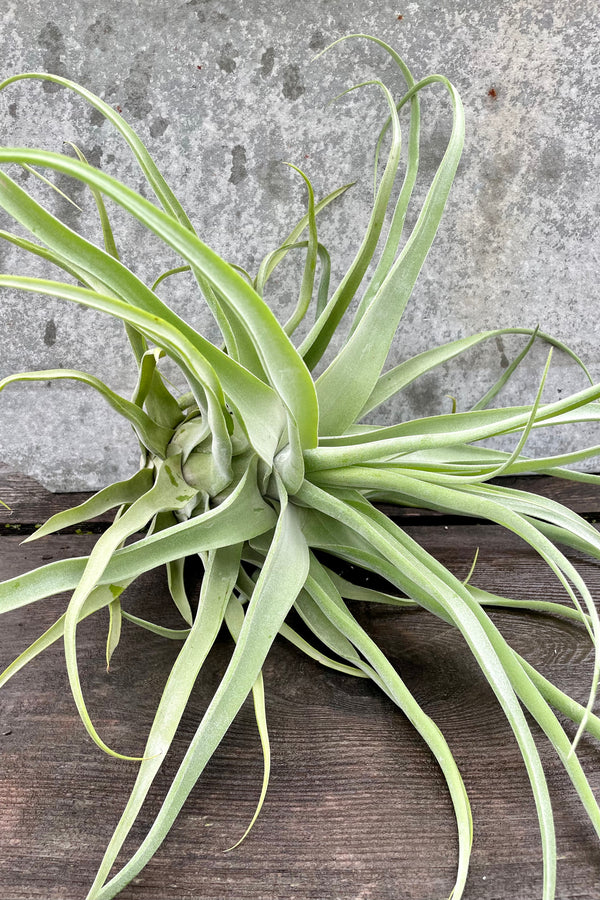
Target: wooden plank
(356, 807)
(30, 504)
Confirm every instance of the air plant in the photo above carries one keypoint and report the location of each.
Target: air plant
(259, 466)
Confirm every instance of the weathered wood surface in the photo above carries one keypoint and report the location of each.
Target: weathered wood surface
(30, 505)
(356, 806)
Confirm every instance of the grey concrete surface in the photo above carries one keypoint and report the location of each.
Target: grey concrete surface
(222, 94)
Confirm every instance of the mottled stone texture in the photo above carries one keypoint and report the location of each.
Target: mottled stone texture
(222, 93)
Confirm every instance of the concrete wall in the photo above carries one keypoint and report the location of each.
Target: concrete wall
(222, 93)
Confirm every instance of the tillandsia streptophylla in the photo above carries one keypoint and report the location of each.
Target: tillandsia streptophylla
(258, 465)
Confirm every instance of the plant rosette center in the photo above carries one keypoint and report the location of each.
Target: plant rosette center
(201, 467)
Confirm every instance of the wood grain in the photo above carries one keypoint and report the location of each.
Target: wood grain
(30, 504)
(356, 809)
